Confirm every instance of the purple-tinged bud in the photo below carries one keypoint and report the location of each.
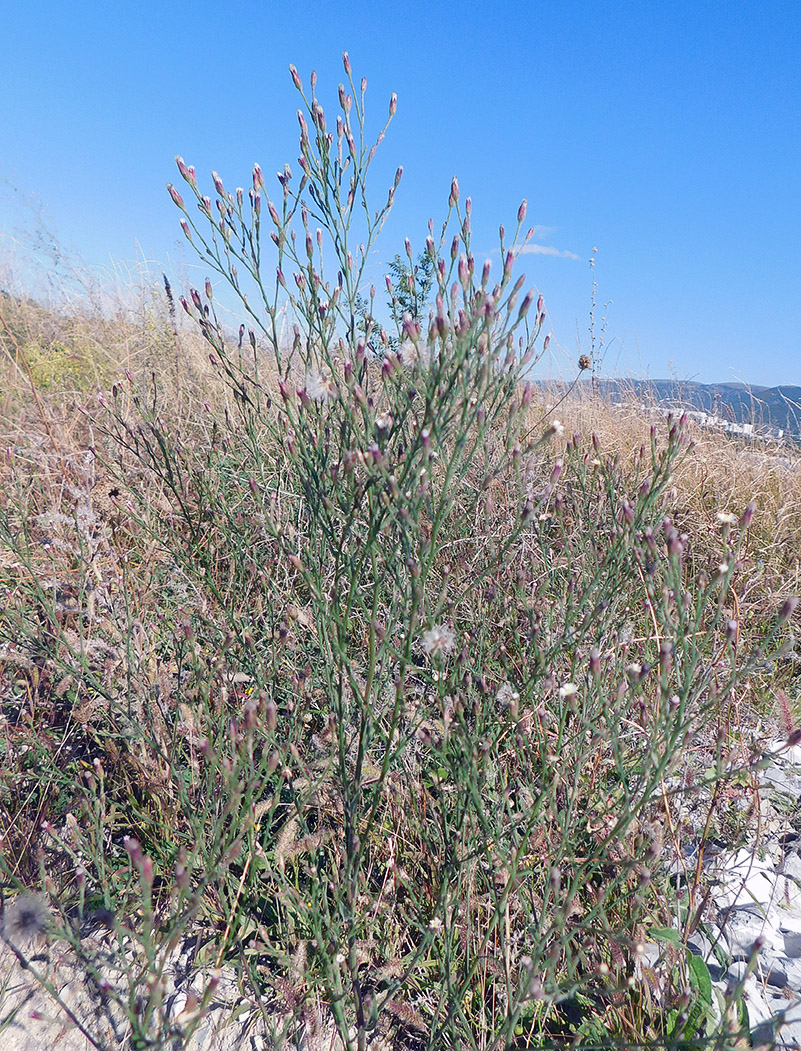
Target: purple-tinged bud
(408, 245)
(508, 265)
(363, 85)
(209, 291)
(196, 298)
(748, 514)
(788, 608)
(464, 277)
(346, 63)
(176, 197)
(455, 248)
(546, 342)
(666, 656)
(147, 870)
(134, 850)
(280, 275)
(731, 630)
(557, 470)
(454, 196)
(528, 394)
(541, 305)
(218, 184)
(296, 78)
(628, 510)
(258, 178)
(186, 305)
(393, 104)
(398, 176)
(595, 662)
(204, 204)
(188, 174)
(186, 230)
(521, 211)
(485, 273)
(675, 544)
(525, 305)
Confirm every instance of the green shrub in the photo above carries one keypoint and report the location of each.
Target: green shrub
(396, 731)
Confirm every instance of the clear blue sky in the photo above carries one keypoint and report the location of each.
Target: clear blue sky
(665, 134)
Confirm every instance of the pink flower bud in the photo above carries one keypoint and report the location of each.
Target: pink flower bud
(134, 849)
(364, 85)
(454, 191)
(208, 289)
(218, 184)
(540, 304)
(393, 104)
(525, 305)
(258, 178)
(748, 514)
(398, 176)
(186, 230)
(346, 63)
(177, 198)
(188, 174)
(296, 78)
(521, 211)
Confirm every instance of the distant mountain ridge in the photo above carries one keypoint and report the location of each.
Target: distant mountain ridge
(753, 410)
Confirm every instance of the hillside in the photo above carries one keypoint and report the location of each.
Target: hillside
(771, 411)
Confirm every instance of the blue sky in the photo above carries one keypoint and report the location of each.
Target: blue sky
(666, 135)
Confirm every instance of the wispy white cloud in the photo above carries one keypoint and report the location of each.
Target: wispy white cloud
(537, 249)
